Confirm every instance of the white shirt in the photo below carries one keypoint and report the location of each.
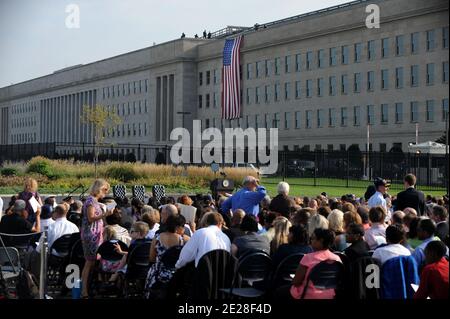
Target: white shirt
(59, 228)
(387, 252)
(46, 222)
(152, 232)
(202, 242)
(375, 235)
(377, 199)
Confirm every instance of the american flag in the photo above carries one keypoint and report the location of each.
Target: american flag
(231, 82)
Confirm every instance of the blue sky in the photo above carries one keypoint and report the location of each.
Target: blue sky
(35, 40)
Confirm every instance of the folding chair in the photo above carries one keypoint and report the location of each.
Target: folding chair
(252, 270)
(10, 269)
(58, 252)
(119, 191)
(325, 275)
(158, 191)
(138, 264)
(138, 192)
(285, 271)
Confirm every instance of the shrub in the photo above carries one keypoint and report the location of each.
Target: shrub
(122, 172)
(9, 171)
(43, 166)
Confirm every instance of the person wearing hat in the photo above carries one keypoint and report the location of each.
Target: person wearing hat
(377, 199)
(17, 223)
(46, 216)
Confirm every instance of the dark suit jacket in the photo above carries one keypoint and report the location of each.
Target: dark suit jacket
(442, 230)
(413, 198)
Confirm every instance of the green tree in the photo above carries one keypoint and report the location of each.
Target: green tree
(102, 120)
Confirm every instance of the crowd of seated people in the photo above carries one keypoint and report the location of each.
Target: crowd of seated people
(322, 228)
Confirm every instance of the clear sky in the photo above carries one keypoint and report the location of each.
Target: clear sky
(35, 41)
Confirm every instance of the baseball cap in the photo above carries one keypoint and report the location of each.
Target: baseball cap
(381, 182)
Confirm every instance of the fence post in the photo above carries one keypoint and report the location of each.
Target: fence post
(43, 266)
(284, 164)
(315, 168)
(348, 167)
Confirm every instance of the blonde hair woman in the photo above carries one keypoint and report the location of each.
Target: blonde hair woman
(336, 224)
(92, 229)
(281, 227)
(317, 221)
(29, 191)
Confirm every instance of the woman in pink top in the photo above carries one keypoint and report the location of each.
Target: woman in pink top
(321, 240)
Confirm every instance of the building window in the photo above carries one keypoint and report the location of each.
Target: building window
(247, 96)
(249, 71)
(399, 45)
(308, 88)
(257, 95)
(333, 56)
(208, 77)
(357, 83)
(200, 78)
(321, 58)
(256, 121)
(384, 113)
(445, 37)
(277, 66)
(309, 60)
(276, 120)
(332, 117)
(414, 43)
(266, 93)
(200, 101)
(399, 77)
(370, 114)
(287, 119)
(344, 116)
(384, 79)
(297, 119)
(414, 112)
(385, 47)
(215, 76)
(267, 67)
(215, 100)
(320, 86)
(430, 73)
(287, 90)
(430, 110)
(287, 64)
(358, 51)
(345, 54)
(444, 109)
(332, 85)
(371, 50)
(445, 72)
(277, 92)
(258, 69)
(320, 117)
(297, 89)
(344, 84)
(207, 102)
(370, 80)
(357, 116)
(398, 112)
(308, 119)
(431, 44)
(414, 75)
(298, 62)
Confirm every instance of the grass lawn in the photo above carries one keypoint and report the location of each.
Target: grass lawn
(299, 187)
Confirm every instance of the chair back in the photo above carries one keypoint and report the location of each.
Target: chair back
(138, 261)
(158, 191)
(255, 266)
(170, 256)
(287, 267)
(325, 275)
(9, 259)
(356, 274)
(213, 272)
(107, 250)
(62, 245)
(397, 275)
(138, 192)
(76, 255)
(119, 191)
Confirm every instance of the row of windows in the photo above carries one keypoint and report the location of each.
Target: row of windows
(135, 107)
(329, 86)
(343, 116)
(139, 129)
(333, 56)
(24, 138)
(24, 108)
(24, 122)
(125, 89)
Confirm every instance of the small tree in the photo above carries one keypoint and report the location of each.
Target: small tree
(102, 121)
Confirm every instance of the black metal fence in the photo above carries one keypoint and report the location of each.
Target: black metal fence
(350, 168)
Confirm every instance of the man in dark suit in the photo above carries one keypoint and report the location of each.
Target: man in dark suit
(439, 214)
(410, 197)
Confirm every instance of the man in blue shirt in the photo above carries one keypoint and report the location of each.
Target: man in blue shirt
(247, 198)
